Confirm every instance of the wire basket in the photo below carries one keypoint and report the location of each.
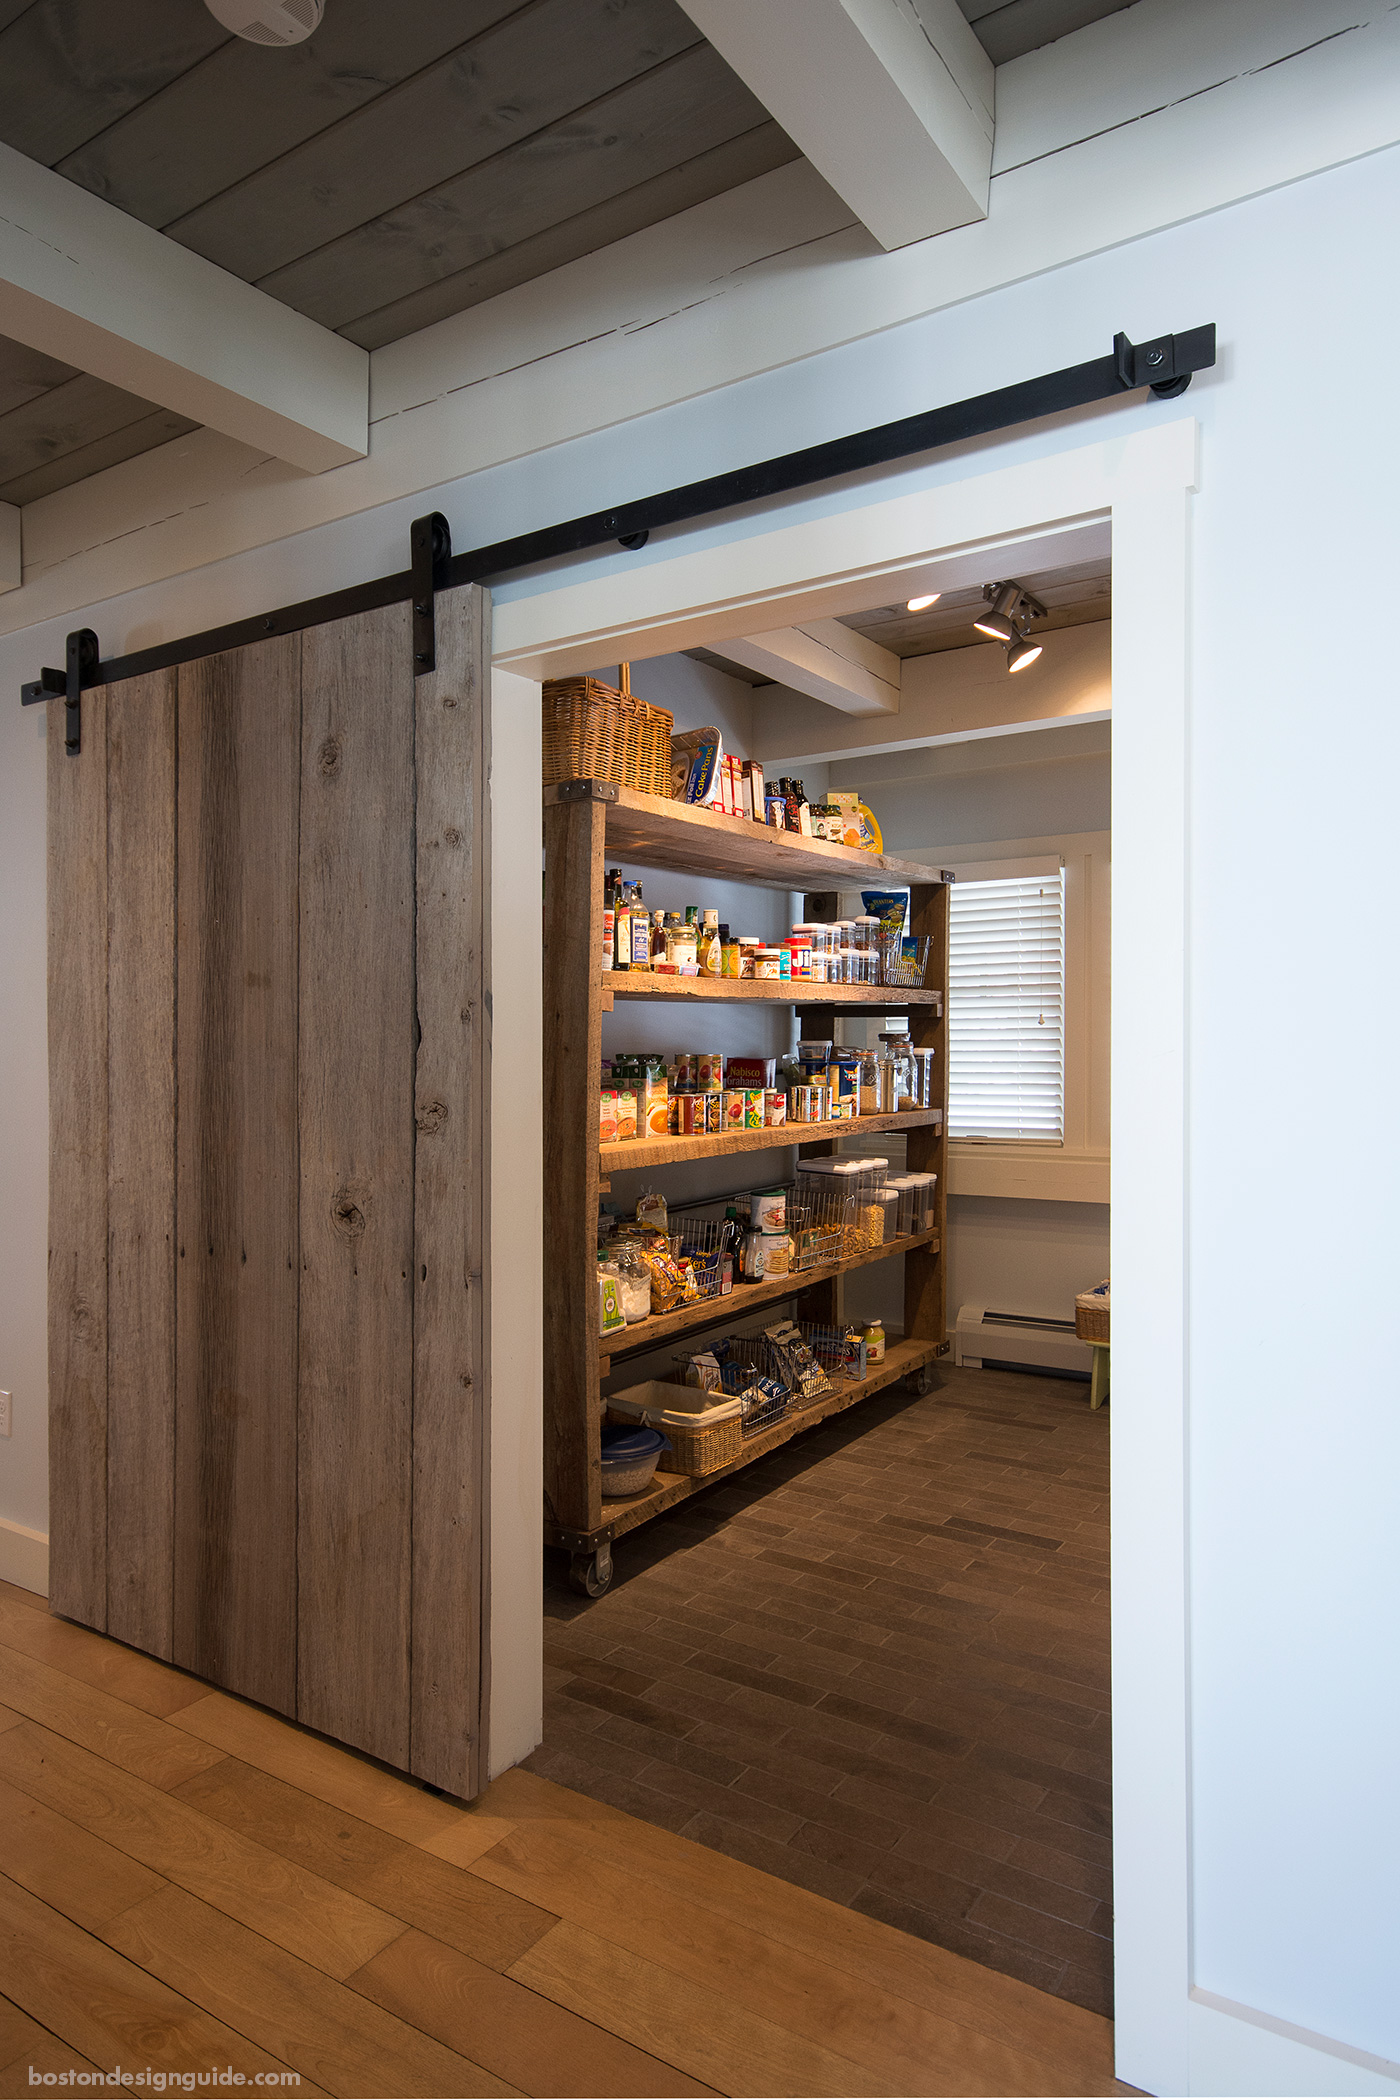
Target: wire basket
(697, 1240)
(817, 1231)
(748, 1357)
(840, 1355)
(904, 961)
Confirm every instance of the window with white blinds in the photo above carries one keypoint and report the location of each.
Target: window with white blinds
(1006, 1001)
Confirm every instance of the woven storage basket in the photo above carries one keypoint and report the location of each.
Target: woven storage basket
(694, 1450)
(594, 731)
(1091, 1314)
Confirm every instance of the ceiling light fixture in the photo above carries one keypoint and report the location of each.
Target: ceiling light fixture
(269, 21)
(922, 604)
(1008, 620)
(999, 623)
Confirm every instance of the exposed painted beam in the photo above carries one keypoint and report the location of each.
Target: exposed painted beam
(827, 662)
(85, 283)
(951, 697)
(893, 101)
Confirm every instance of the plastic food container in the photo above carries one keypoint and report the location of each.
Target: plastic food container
(902, 1186)
(629, 1459)
(924, 1186)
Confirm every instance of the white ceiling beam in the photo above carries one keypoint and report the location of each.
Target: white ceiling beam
(827, 662)
(949, 697)
(893, 101)
(93, 287)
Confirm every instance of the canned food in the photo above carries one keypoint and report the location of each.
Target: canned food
(753, 1108)
(709, 1070)
(685, 1069)
(805, 1104)
(714, 1113)
(692, 1107)
(774, 1106)
(735, 1101)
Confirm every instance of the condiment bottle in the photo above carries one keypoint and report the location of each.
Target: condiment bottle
(710, 952)
(641, 933)
(875, 1342)
(622, 928)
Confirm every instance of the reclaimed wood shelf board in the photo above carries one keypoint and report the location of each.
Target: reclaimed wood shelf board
(669, 1488)
(746, 1298)
(785, 991)
(659, 1152)
(652, 833)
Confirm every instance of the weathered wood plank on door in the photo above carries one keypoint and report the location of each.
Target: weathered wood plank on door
(449, 1373)
(141, 1161)
(236, 1241)
(356, 1032)
(77, 934)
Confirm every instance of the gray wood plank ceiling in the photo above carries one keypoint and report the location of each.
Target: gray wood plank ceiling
(412, 159)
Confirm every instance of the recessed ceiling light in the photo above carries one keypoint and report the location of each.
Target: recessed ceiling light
(269, 21)
(922, 604)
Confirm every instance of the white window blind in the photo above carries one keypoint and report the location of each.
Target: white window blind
(1006, 999)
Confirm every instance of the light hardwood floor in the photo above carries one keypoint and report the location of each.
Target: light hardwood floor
(187, 1881)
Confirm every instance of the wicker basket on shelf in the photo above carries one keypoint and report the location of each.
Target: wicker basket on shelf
(594, 731)
(698, 1447)
(1091, 1314)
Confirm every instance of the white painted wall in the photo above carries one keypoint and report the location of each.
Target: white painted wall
(1292, 1524)
(1014, 1254)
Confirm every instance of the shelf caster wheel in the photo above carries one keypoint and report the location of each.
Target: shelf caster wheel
(590, 1573)
(922, 1382)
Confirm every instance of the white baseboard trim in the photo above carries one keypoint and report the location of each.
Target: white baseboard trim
(1236, 2050)
(24, 1557)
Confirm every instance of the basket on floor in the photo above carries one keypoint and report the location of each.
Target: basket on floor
(593, 731)
(1091, 1314)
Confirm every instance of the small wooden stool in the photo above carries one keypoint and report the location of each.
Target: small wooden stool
(1098, 1377)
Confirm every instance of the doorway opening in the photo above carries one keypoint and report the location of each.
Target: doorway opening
(876, 1662)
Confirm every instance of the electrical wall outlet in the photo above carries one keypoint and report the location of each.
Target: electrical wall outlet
(7, 1402)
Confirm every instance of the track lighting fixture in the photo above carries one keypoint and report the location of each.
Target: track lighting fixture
(1008, 620)
(999, 622)
(922, 604)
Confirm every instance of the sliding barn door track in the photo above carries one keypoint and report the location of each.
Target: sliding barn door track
(1164, 366)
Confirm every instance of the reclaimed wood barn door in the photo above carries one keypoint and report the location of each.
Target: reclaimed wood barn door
(269, 1068)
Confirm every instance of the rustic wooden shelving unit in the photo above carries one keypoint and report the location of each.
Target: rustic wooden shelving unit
(586, 825)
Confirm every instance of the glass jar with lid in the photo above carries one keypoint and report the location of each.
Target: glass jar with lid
(867, 1084)
(900, 1050)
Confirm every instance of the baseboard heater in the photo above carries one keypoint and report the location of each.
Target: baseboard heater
(986, 1340)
